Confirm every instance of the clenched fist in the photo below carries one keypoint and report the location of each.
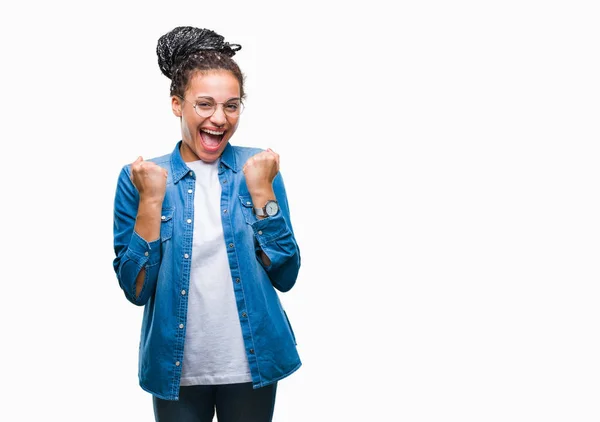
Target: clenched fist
(149, 179)
(260, 170)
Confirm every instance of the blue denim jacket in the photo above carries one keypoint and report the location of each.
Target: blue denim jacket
(268, 337)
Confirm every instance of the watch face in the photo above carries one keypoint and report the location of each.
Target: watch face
(272, 208)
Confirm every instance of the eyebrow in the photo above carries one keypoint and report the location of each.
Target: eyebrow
(200, 97)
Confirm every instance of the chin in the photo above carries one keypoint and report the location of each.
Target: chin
(210, 156)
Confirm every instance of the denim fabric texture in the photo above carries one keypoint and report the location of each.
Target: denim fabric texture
(268, 336)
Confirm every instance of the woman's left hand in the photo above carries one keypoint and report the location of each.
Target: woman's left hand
(260, 170)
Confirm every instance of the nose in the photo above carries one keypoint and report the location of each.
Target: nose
(219, 118)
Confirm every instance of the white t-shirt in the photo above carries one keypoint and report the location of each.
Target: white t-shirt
(214, 349)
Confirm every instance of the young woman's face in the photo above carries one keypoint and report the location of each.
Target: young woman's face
(205, 138)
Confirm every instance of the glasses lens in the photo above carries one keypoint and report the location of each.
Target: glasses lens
(233, 108)
(205, 108)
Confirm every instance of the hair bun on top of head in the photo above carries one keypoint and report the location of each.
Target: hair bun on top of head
(183, 41)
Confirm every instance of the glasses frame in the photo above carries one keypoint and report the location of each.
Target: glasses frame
(194, 104)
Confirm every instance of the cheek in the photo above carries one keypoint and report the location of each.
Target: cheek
(188, 131)
(191, 125)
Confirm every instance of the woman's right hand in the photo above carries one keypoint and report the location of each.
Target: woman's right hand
(149, 179)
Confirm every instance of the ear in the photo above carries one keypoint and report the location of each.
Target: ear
(176, 105)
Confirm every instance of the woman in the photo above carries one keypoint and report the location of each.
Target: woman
(202, 239)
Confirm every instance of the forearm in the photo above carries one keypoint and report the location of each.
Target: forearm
(137, 266)
(147, 226)
(147, 221)
(278, 251)
(259, 199)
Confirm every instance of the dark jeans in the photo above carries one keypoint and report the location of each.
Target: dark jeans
(233, 402)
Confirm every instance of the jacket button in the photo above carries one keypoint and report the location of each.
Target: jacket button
(251, 351)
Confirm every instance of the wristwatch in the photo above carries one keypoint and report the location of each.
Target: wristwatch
(270, 209)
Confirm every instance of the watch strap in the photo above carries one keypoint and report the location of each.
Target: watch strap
(261, 212)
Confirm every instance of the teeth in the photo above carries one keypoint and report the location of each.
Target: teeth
(212, 132)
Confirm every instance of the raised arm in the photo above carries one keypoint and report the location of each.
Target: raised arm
(278, 250)
(138, 202)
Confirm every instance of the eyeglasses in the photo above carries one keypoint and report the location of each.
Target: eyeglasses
(206, 107)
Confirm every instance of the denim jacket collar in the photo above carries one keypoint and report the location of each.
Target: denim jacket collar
(180, 169)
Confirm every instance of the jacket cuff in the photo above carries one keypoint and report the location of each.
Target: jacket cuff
(271, 228)
(141, 252)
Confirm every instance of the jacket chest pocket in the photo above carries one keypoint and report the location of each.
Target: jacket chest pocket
(246, 202)
(166, 224)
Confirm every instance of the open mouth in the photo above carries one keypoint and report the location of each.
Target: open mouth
(211, 139)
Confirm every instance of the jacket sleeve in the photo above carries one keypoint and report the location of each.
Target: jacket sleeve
(275, 237)
(132, 252)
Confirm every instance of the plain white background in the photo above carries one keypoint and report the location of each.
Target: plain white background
(441, 161)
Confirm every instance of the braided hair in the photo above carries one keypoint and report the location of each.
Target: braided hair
(186, 50)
